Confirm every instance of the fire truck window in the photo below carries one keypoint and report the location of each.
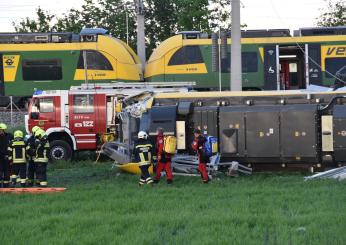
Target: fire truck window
(41, 70)
(83, 104)
(186, 55)
(46, 105)
(333, 65)
(95, 61)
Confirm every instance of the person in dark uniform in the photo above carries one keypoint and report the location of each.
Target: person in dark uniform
(17, 155)
(143, 152)
(31, 151)
(198, 146)
(5, 140)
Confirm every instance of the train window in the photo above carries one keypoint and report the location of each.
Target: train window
(333, 65)
(95, 61)
(83, 103)
(186, 55)
(41, 70)
(46, 105)
(249, 62)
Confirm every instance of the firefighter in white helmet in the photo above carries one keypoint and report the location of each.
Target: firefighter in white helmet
(143, 152)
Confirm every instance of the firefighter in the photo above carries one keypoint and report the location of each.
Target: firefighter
(17, 155)
(35, 129)
(198, 147)
(143, 152)
(163, 159)
(40, 159)
(31, 151)
(5, 139)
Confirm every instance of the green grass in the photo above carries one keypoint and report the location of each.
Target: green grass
(103, 206)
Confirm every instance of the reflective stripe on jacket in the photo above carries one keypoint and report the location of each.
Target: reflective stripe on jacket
(17, 151)
(42, 152)
(143, 151)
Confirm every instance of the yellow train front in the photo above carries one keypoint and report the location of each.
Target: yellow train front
(50, 61)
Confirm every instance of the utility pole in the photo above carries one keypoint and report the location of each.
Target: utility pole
(236, 73)
(140, 32)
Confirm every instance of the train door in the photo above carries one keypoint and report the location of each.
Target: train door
(87, 118)
(45, 112)
(271, 67)
(293, 67)
(313, 63)
(82, 119)
(2, 83)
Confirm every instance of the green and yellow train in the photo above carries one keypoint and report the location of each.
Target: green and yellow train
(49, 61)
(271, 59)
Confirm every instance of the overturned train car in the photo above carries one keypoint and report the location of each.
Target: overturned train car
(283, 129)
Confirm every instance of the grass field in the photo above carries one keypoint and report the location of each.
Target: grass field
(103, 206)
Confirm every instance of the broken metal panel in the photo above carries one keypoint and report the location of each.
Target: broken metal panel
(327, 133)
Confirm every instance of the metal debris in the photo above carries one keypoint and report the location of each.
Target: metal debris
(336, 173)
(189, 165)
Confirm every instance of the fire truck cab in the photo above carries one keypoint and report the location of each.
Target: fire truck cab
(79, 118)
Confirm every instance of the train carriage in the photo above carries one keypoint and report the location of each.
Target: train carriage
(49, 61)
(271, 59)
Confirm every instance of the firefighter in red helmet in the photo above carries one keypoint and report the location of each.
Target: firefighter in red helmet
(198, 146)
(163, 159)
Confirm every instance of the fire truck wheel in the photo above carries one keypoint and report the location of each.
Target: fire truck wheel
(60, 150)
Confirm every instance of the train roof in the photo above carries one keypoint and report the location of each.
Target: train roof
(106, 43)
(273, 36)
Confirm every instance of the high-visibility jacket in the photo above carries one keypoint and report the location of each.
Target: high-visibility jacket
(143, 151)
(42, 149)
(17, 151)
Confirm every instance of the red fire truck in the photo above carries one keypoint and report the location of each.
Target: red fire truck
(77, 119)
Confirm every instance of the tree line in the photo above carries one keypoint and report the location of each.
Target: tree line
(164, 18)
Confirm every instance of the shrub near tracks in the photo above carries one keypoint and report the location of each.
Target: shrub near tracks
(102, 206)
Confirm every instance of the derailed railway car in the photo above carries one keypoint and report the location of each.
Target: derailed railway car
(276, 129)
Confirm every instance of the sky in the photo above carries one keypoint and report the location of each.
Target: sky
(263, 14)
